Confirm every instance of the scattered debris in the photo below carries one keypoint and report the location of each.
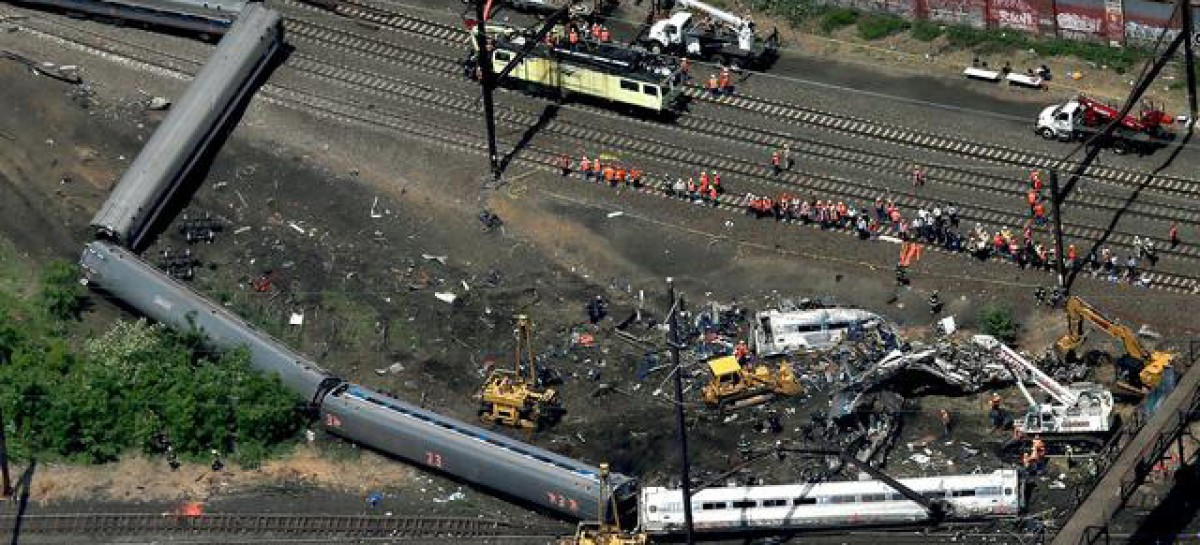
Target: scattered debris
(297, 228)
(439, 258)
(47, 69)
(616, 214)
(297, 318)
(158, 103)
(446, 297)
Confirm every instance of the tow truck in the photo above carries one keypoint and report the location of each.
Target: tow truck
(1080, 416)
(1082, 118)
(1138, 371)
(727, 38)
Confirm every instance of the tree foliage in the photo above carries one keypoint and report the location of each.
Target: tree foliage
(996, 319)
(62, 296)
(136, 387)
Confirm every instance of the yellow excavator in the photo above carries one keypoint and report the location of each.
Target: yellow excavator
(512, 399)
(734, 386)
(599, 532)
(1142, 369)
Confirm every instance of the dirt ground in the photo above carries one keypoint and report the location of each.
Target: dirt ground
(357, 230)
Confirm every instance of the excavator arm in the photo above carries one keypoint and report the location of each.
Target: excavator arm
(1078, 310)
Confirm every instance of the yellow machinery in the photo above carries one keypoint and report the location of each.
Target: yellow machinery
(1147, 366)
(600, 533)
(734, 386)
(510, 398)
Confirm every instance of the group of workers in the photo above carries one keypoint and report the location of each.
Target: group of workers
(707, 191)
(576, 34)
(613, 173)
(720, 82)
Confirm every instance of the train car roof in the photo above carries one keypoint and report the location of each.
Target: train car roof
(610, 58)
(202, 7)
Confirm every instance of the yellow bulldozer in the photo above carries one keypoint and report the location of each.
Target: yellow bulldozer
(1139, 370)
(734, 386)
(516, 400)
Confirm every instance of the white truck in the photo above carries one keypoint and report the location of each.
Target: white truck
(729, 38)
(1079, 416)
(1083, 117)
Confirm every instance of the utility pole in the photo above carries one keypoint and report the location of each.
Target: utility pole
(7, 490)
(1056, 209)
(487, 81)
(673, 324)
(1189, 58)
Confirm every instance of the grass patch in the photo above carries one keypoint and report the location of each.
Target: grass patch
(995, 42)
(878, 26)
(925, 31)
(837, 18)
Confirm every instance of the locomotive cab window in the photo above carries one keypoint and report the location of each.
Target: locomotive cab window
(650, 89)
(503, 56)
(963, 493)
(629, 85)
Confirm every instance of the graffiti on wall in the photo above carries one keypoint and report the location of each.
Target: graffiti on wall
(970, 13)
(1145, 33)
(1114, 18)
(1079, 24)
(1015, 14)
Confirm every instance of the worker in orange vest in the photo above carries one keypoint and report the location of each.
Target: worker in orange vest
(691, 185)
(1173, 235)
(716, 182)
(1039, 213)
(1071, 255)
(609, 173)
(1035, 180)
(585, 167)
(713, 89)
(685, 68)
(741, 352)
(1032, 198)
(564, 163)
(726, 82)
(712, 195)
(595, 32)
(775, 162)
(918, 176)
(704, 182)
(621, 176)
(573, 37)
(635, 177)
(596, 168)
(604, 34)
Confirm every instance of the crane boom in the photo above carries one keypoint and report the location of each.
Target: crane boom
(1028, 371)
(714, 12)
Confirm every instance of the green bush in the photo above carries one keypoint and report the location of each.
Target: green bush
(996, 319)
(62, 295)
(837, 18)
(876, 26)
(926, 31)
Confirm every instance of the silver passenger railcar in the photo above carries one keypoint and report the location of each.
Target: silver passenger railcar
(471, 453)
(126, 277)
(830, 505)
(177, 144)
(205, 17)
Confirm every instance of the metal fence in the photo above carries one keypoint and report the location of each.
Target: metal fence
(1134, 476)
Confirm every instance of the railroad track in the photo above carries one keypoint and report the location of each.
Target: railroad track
(833, 121)
(112, 524)
(423, 96)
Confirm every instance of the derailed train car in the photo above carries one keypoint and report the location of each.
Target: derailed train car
(179, 142)
(826, 505)
(475, 455)
(204, 17)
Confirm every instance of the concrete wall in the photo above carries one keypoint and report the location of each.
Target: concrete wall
(1115, 22)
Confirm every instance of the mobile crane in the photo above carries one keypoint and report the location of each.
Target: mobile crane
(1080, 416)
(734, 387)
(599, 532)
(734, 42)
(1138, 371)
(1083, 117)
(511, 399)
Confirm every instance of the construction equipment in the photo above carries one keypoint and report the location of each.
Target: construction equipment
(729, 39)
(599, 532)
(1080, 416)
(1083, 118)
(1138, 371)
(514, 400)
(734, 386)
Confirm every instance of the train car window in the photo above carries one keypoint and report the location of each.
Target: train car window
(896, 496)
(874, 497)
(1008, 491)
(804, 501)
(843, 499)
(935, 495)
(988, 491)
(963, 493)
(712, 505)
(503, 56)
(650, 89)
(629, 85)
(775, 503)
(745, 504)
(653, 509)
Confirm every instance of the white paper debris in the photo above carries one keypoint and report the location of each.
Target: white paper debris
(616, 214)
(446, 296)
(296, 319)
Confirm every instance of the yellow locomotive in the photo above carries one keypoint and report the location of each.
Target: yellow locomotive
(606, 72)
